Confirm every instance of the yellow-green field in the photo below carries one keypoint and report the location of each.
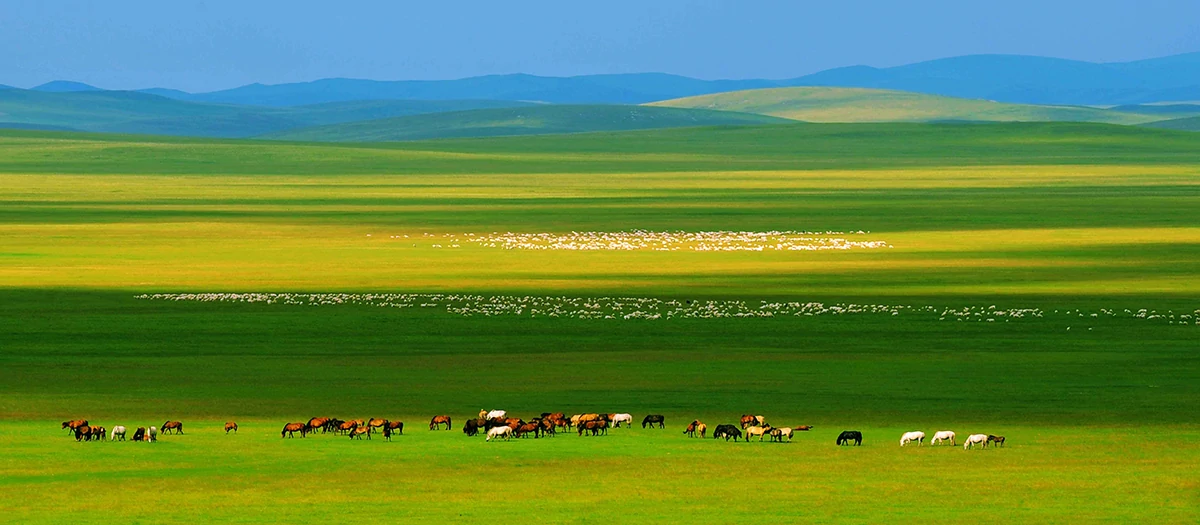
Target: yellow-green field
(1038, 281)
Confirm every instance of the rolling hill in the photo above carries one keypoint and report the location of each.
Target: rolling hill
(535, 120)
(826, 104)
(141, 113)
(1181, 124)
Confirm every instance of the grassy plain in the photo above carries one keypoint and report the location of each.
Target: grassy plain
(1101, 418)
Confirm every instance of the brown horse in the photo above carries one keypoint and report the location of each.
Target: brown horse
(359, 431)
(290, 430)
(804, 428)
(347, 426)
(998, 440)
(396, 427)
(436, 422)
(319, 422)
(74, 424)
(375, 423)
(527, 428)
(690, 431)
(171, 425)
(230, 425)
(751, 420)
(83, 433)
(99, 433)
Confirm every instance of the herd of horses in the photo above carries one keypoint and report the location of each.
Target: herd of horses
(86, 432)
(495, 424)
(943, 436)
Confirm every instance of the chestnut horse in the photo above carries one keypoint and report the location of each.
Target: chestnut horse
(436, 422)
(230, 426)
(290, 430)
(172, 425)
(359, 431)
(74, 424)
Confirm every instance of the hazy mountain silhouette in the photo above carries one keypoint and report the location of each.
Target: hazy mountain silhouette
(1005, 78)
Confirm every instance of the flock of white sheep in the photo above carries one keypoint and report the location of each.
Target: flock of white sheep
(708, 241)
(653, 309)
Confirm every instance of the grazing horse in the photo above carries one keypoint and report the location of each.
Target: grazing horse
(139, 434)
(757, 431)
(74, 424)
(777, 434)
(528, 428)
(319, 422)
(375, 423)
(118, 431)
(942, 436)
(727, 431)
(358, 432)
(654, 418)
(172, 425)
(702, 429)
(504, 432)
(230, 425)
(495, 414)
(975, 439)
(471, 427)
(436, 422)
(83, 433)
(998, 440)
(346, 427)
(291, 429)
(617, 419)
(909, 437)
(396, 427)
(152, 435)
(850, 435)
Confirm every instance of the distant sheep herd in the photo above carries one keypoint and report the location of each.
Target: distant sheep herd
(495, 424)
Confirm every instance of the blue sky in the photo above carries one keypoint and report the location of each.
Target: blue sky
(205, 45)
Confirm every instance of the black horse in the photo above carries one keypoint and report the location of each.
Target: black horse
(850, 435)
(139, 434)
(471, 428)
(727, 431)
(654, 418)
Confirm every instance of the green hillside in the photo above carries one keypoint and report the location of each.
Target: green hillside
(829, 104)
(537, 120)
(140, 113)
(1181, 124)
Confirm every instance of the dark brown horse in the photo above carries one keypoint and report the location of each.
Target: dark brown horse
(690, 431)
(171, 425)
(230, 425)
(527, 428)
(290, 430)
(436, 422)
(396, 427)
(998, 440)
(752, 420)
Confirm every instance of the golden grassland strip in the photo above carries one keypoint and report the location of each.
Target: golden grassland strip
(244, 256)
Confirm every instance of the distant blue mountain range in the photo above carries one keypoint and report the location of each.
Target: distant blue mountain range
(1005, 78)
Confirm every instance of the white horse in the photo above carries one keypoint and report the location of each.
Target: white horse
(497, 413)
(909, 437)
(153, 434)
(942, 436)
(504, 432)
(780, 433)
(757, 431)
(975, 439)
(117, 431)
(622, 418)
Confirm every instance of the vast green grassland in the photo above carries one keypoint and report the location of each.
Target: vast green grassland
(1100, 411)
